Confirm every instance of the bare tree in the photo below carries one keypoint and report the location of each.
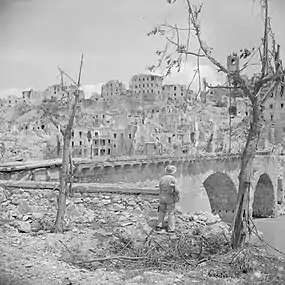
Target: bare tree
(261, 86)
(61, 113)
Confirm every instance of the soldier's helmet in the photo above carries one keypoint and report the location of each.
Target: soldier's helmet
(170, 169)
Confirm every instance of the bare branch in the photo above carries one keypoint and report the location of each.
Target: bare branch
(76, 93)
(62, 72)
(177, 35)
(218, 86)
(236, 76)
(260, 54)
(264, 68)
(180, 49)
(202, 46)
(251, 56)
(80, 71)
(198, 71)
(193, 80)
(274, 77)
(222, 86)
(55, 123)
(188, 34)
(174, 28)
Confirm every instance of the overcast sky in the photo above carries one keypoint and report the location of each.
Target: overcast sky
(38, 35)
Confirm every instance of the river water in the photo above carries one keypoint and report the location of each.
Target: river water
(273, 229)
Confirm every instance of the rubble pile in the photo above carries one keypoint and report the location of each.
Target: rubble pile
(27, 146)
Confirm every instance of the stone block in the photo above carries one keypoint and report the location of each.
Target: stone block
(24, 227)
(118, 207)
(106, 201)
(23, 207)
(2, 198)
(54, 174)
(40, 175)
(37, 216)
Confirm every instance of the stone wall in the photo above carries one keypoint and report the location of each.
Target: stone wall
(35, 210)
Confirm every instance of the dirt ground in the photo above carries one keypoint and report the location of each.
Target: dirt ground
(42, 259)
(29, 259)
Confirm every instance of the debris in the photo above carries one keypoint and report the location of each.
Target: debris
(24, 227)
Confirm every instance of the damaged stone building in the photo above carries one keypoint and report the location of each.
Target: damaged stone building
(102, 142)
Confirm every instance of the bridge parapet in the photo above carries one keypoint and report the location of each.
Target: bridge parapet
(130, 169)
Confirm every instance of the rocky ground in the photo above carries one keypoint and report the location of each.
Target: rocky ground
(109, 239)
(78, 256)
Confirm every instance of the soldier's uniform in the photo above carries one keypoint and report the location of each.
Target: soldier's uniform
(168, 196)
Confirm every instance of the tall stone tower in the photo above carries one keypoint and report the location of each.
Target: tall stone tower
(233, 63)
(233, 66)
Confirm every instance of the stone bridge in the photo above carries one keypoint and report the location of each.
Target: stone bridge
(204, 180)
(211, 180)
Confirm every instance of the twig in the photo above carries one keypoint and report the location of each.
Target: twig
(70, 252)
(177, 35)
(188, 88)
(114, 257)
(174, 28)
(201, 261)
(121, 251)
(237, 253)
(63, 72)
(252, 55)
(179, 250)
(198, 72)
(149, 251)
(165, 249)
(200, 248)
(147, 236)
(188, 35)
(179, 50)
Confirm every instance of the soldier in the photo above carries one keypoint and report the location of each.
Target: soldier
(168, 197)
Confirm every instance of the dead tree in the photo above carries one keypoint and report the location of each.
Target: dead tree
(257, 90)
(61, 113)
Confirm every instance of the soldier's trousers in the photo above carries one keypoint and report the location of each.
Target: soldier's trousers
(166, 208)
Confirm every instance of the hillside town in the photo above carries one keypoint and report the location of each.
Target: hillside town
(146, 118)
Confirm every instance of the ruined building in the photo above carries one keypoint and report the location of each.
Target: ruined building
(32, 96)
(112, 88)
(102, 141)
(274, 115)
(146, 87)
(174, 93)
(56, 91)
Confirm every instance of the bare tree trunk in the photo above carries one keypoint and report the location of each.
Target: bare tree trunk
(65, 174)
(64, 177)
(242, 213)
(63, 192)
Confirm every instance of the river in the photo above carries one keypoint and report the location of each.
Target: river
(273, 230)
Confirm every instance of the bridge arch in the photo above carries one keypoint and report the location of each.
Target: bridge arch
(222, 194)
(264, 198)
